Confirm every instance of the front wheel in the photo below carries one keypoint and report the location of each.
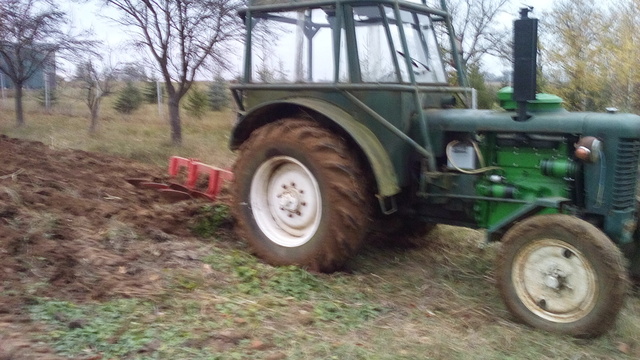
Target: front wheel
(300, 196)
(562, 274)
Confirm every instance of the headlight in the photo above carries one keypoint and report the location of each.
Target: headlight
(588, 149)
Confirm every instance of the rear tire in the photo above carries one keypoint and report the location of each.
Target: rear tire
(562, 274)
(300, 196)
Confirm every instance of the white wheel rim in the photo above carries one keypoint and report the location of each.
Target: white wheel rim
(555, 281)
(286, 201)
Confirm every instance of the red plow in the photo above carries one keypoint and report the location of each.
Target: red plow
(192, 187)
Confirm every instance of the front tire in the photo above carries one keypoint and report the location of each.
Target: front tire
(300, 196)
(562, 274)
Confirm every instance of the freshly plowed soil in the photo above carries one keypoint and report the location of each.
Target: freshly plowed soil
(72, 228)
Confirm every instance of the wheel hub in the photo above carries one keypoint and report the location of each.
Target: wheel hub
(555, 279)
(286, 201)
(552, 282)
(290, 200)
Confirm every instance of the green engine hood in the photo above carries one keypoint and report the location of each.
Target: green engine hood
(543, 102)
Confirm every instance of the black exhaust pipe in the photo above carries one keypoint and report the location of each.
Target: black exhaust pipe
(525, 51)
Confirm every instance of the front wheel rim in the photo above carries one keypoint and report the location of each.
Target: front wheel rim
(555, 281)
(286, 201)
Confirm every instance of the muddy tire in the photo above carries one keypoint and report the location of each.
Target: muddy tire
(300, 196)
(561, 274)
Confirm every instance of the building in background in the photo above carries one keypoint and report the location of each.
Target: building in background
(43, 77)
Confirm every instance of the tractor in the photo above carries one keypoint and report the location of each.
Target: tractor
(347, 120)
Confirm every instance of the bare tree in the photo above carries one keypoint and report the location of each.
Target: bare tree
(96, 84)
(478, 29)
(32, 34)
(183, 38)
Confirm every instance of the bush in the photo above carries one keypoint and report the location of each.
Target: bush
(128, 100)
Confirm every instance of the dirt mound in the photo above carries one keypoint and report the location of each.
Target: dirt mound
(73, 228)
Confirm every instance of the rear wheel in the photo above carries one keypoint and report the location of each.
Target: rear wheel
(561, 274)
(300, 196)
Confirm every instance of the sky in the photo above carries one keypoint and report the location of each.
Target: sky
(499, 66)
(90, 15)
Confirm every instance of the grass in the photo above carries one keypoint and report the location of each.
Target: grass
(392, 305)
(434, 301)
(143, 135)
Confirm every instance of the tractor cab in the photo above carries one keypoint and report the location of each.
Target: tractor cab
(365, 43)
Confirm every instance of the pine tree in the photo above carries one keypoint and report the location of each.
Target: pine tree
(150, 92)
(128, 100)
(41, 97)
(196, 104)
(218, 94)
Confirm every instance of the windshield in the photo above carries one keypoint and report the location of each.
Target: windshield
(294, 46)
(311, 45)
(382, 56)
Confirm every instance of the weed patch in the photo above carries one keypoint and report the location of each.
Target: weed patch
(295, 282)
(210, 219)
(111, 329)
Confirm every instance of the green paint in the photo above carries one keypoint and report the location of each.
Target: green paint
(543, 102)
(523, 177)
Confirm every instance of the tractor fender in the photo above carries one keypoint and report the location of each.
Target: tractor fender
(377, 157)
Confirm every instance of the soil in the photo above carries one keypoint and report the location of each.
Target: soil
(68, 221)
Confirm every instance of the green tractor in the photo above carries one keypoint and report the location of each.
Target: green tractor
(346, 119)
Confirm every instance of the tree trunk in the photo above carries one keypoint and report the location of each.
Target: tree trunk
(93, 126)
(19, 110)
(174, 120)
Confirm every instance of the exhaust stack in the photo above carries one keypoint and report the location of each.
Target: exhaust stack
(525, 51)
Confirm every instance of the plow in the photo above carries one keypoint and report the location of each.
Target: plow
(201, 180)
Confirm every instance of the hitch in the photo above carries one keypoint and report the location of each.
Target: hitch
(195, 170)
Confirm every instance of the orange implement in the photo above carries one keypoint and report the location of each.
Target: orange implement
(216, 176)
(195, 170)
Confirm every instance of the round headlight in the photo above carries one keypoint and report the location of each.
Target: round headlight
(588, 149)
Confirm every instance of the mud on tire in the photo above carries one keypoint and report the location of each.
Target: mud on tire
(561, 274)
(300, 196)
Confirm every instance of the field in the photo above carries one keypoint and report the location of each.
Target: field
(94, 268)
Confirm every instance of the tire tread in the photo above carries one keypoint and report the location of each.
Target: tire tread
(346, 185)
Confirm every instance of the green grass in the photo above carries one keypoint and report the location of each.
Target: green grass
(435, 301)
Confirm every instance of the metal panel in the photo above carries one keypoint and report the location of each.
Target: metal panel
(626, 173)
